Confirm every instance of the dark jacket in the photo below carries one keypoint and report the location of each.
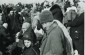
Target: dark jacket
(77, 32)
(3, 38)
(29, 51)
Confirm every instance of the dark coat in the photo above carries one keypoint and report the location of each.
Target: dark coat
(29, 51)
(14, 24)
(3, 39)
(77, 32)
(57, 12)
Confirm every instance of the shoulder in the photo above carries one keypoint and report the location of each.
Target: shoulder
(56, 30)
(29, 51)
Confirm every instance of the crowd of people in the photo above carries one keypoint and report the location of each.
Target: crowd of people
(47, 28)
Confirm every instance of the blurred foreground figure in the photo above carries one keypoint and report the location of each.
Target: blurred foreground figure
(54, 41)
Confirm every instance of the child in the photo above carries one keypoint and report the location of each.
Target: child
(28, 49)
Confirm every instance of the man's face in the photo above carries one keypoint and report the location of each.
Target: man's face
(45, 26)
(27, 43)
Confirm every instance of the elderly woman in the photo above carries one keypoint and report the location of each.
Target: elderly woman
(77, 29)
(18, 45)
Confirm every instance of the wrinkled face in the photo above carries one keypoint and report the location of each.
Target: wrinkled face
(27, 43)
(45, 26)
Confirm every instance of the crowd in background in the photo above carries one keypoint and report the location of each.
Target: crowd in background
(21, 22)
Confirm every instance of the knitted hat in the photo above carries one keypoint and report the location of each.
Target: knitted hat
(46, 16)
(28, 35)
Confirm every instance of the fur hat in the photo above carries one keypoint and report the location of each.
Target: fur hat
(46, 16)
(55, 8)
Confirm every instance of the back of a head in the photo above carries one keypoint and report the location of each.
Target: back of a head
(57, 12)
(54, 7)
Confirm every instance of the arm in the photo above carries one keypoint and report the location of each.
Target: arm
(77, 21)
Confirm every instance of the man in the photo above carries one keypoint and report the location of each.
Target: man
(53, 42)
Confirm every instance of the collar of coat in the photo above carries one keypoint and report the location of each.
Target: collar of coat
(53, 25)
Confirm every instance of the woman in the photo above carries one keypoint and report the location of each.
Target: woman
(77, 29)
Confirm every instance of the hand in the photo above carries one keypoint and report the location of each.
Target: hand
(17, 34)
(17, 40)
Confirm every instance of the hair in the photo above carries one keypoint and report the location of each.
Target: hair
(82, 6)
(56, 10)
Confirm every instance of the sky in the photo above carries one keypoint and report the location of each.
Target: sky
(22, 1)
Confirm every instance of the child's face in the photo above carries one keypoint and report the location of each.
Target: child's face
(27, 43)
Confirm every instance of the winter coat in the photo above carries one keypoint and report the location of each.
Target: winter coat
(29, 51)
(53, 41)
(3, 38)
(77, 32)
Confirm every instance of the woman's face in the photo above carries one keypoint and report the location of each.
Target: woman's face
(27, 43)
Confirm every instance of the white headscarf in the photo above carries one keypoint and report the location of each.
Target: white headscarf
(82, 6)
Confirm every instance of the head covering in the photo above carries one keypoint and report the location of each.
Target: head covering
(71, 8)
(57, 12)
(54, 7)
(26, 25)
(46, 16)
(81, 4)
(28, 35)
